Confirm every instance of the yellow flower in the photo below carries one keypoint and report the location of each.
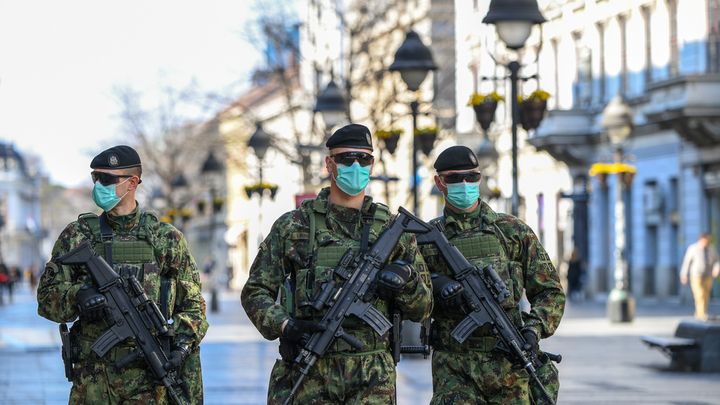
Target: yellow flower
(383, 134)
(426, 130)
(477, 99)
(537, 95)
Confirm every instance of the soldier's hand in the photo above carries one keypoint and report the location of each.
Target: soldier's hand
(177, 357)
(299, 331)
(92, 304)
(391, 280)
(531, 340)
(447, 292)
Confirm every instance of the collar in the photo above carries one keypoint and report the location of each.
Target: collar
(480, 217)
(125, 222)
(321, 204)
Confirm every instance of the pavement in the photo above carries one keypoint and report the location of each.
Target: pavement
(603, 362)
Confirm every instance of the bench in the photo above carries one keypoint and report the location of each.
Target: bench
(695, 346)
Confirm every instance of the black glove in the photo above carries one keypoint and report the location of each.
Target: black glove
(177, 357)
(299, 331)
(448, 292)
(92, 304)
(391, 280)
(531, 340)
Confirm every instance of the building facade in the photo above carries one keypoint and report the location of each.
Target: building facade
(662, 57)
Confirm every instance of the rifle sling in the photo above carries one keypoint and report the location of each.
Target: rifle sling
(106, 237)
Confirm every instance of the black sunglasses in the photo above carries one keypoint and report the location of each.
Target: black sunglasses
(107, 179)
(348, 158)
(470, 177)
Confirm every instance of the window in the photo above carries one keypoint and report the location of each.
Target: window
(583, 78)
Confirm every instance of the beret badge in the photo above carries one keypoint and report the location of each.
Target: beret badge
(113, 160)
(472, 158)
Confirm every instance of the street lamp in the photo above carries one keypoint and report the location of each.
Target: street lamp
(513, 21)
(413, 60)
(260, 142)
(210, 171)
(617, 118)
(332, 105)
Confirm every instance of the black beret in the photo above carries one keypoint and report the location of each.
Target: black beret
(117, 157)
(351, 136)
(456, 158)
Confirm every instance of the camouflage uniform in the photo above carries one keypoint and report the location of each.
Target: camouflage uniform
(96, 380)
(472, 372)
(343, 375)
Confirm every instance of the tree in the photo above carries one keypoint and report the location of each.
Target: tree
(173, 136)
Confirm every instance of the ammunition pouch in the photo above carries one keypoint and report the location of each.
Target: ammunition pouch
(445, 342)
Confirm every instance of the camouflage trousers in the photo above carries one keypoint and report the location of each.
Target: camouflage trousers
(98, 383)
(358, 379)
(486, 378)
(102, 383)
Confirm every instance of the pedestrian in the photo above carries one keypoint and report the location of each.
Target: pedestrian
(575, 275)
(476, 371)
(13, 278)
(702, 266)
(3, 280)
(342, 217)
(139, 245)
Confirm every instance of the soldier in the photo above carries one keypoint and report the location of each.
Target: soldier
(295, 256)
(473, 372)
(134, 243)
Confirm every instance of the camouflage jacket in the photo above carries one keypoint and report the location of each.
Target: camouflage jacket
(59, 283)
(285, 252)
(510, 246)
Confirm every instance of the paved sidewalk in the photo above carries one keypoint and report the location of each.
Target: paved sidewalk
(603, 363)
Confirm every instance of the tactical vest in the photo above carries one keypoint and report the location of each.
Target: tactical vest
(132, 254)
(322, 251)
(486, 246)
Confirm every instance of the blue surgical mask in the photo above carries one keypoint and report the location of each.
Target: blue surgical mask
(105, 197)
(352, 179)
(463, 195)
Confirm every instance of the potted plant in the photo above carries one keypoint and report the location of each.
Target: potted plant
(426, 137)
(532, 109)
(485, 106)
(390, 138)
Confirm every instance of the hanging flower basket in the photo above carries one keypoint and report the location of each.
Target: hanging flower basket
(426, 138)
(532, 109)
(485, 114)
(259, 189)
(485, 106)
(390, 139)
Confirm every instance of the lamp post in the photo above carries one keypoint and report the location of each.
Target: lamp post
(413, 60)
(210, 172)
(513, 20)
(332, 105)
(260, 142)
(617, 118)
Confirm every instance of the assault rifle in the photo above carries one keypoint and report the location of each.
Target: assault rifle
(484, 291)
(353, 296)
(131, 315)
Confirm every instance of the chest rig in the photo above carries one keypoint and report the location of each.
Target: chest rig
(126, 252)
(323, 251)
(131, 252)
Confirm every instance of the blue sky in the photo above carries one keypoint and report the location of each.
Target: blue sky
(59, 62)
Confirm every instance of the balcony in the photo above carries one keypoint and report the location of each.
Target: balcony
(568, 136)
(690, 105)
